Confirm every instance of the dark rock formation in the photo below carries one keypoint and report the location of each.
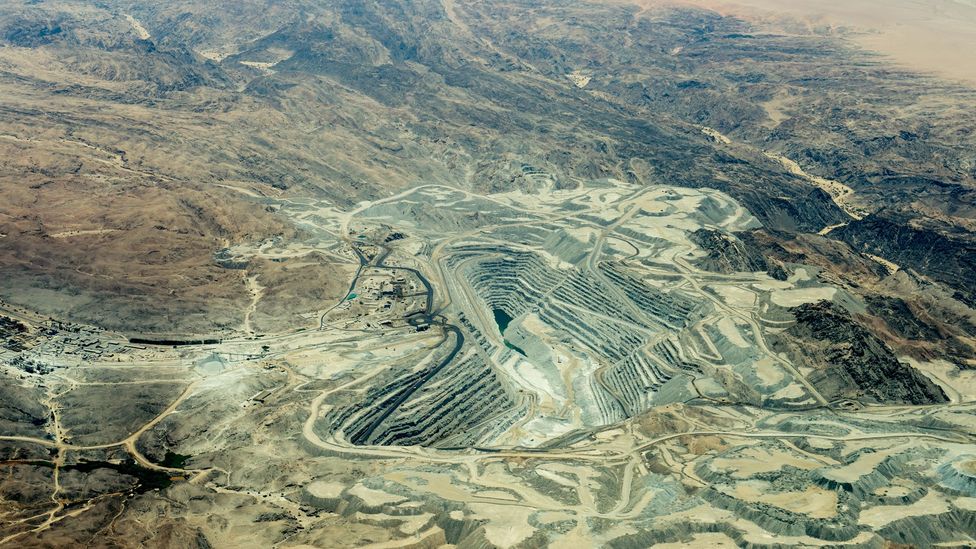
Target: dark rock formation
(949, 260)
(726, 253)
(852, 362)
(900, 317)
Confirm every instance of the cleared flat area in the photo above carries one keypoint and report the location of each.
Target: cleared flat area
(930, 36)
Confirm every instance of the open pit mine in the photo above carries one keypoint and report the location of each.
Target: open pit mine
(604, 365)
(418, 274)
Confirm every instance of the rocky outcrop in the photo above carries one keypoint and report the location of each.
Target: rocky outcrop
(850, 361)
(726, 253)
(949, 260)
(897, 313)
